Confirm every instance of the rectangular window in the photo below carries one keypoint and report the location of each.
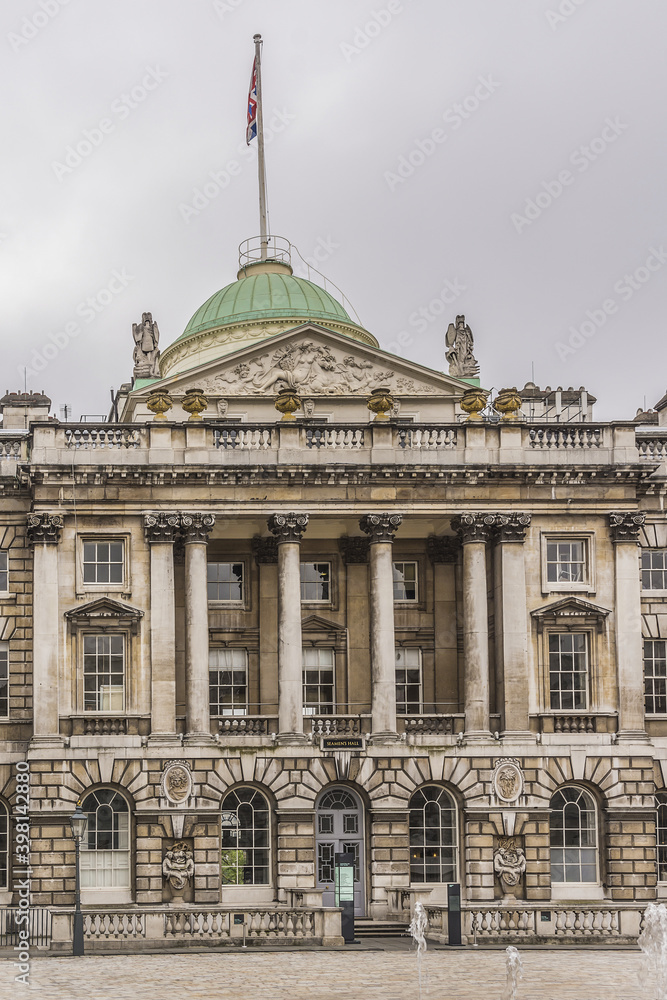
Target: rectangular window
(103, 562)
(566, 561)
(405, 581)
(4, 680)
(228, 681)
(655, 676)
(568, 671)
(408, 681)
(318, 681)
(315, 582)
(104, 673)
(4, 571)
(225, 581)
(654, 569)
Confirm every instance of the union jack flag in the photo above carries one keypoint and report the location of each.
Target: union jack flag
(251, 130)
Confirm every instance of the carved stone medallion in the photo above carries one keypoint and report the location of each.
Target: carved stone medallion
(176, 782)
(508, 779)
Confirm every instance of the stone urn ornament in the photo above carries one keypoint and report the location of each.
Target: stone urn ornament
(194, 403)
(508, 402)
(178, 868)
(287, 402)
(381, 402)
(159, 403)
(473, 402)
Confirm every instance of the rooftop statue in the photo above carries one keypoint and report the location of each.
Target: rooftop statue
(146, 354)
(459, 342)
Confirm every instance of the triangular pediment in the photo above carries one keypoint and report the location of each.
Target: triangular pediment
(103, 609)
(314, 362)
(570, 612)
(315, 623)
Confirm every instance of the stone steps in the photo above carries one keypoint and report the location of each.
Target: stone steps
(365, 927)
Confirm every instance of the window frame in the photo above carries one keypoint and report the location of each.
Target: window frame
(82, 587)
(104, 634)
(312, 711)
(4, 678)
(586, 586)
(660, 805)
(4, 573)
(407, 601)
(584, 889)
(455, 846)
(317, 602)
(653, 677)
(649, 592)
(227, 807)
(587, 672)
(398, 650)
(232, 602)
(236, 711)
(109, 893)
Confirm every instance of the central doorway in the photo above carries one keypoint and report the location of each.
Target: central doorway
(340, 829)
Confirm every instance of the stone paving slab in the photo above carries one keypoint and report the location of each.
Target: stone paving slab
(553, 974)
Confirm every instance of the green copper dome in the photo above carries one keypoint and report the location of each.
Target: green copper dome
(266, 296)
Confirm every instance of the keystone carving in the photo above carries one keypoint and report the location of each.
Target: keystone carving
(353, 550)
(178, 867)
(288, 527)
(45, 528)
(159, 527)
(176, 782)
(381, 527)
(196, 527)
(625, 527)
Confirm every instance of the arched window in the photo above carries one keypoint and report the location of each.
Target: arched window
(432, 836)
(573, 836)
(4, 846)
(105, 849)
(661, 834)
(245, 838)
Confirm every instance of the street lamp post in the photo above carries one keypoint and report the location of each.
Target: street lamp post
(78, 822)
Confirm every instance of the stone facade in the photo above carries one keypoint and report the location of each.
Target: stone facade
(228, 598)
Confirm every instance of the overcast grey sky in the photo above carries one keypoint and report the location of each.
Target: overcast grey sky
(536, 207)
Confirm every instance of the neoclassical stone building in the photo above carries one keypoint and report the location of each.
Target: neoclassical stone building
(299, 596)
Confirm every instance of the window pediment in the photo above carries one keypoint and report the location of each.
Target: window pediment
(104, 613)
(570, 613)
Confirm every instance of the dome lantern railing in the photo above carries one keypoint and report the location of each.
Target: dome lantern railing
(262, 249)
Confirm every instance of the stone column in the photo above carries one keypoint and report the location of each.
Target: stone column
(381, 528)
(265, 551)
(625, 528)
(354, 553)
(195, 529)
(44, 534)
(161, 530)
(288, 529)
(512, 622)
(475, 530)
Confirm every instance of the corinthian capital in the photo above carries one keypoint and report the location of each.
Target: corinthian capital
(161, 527)
(625, 526)
(512, 527)
(288, 527)
(196, 527)
(474, 527)
(45, 528)
(381, 527)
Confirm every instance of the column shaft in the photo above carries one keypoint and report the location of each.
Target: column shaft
(512, 622)
(46, 641)
(475, 638)
(196, 640)
(625, 528)
(163, 640)
(290, 650)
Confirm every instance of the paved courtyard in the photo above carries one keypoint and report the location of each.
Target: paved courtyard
(556, 974)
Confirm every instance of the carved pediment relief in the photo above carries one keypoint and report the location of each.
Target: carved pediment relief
(315, 623)
(314, 363)
(570, 613)
(104, 611)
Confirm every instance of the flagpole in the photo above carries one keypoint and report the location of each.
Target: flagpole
(261, 166)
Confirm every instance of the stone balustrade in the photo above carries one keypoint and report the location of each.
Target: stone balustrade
(459, 446)
(652, 444)
(578, 722)
(127, 929)
(248, 725)
(334, 725)
(13, 448)
(415, 726)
